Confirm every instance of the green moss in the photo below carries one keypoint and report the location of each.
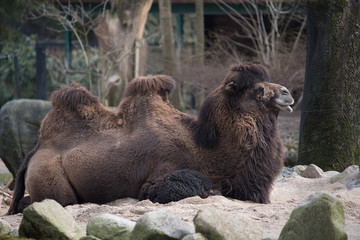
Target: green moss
(5, 177)
(9, 237)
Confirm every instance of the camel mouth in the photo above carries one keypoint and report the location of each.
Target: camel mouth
(286, 108)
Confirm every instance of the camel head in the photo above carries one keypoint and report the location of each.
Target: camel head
(249, 89)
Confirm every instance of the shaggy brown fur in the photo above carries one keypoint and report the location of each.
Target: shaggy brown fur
(87, 153)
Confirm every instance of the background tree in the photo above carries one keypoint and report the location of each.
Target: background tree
(270, 32)
(168, 48)
(12, 14)
(329, 134)
(167, 32)
(200, 44)
(266, 42)
(117, 33)
(79, 21)
(200, 33)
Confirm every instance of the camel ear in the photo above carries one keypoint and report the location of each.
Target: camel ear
(231, 87)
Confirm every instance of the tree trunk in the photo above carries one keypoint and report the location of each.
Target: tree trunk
(329, 131)
(168, 49)
(117, 32)
(167, 33)
(199, 47)
(200, 34)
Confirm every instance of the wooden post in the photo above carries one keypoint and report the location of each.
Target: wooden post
(40, 71)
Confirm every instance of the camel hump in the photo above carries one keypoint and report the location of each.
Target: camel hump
(159, 84)
(70, 97)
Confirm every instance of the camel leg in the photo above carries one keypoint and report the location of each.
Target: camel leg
(178, 185)
(48, 180)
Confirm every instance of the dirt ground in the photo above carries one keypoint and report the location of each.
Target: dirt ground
(287, 194)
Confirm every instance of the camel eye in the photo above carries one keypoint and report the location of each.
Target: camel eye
(285, 92)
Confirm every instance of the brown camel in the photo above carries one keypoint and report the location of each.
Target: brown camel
(148, 149)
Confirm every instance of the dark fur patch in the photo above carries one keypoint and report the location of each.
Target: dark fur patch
(182, 184)
(245, 76)
(206, 133)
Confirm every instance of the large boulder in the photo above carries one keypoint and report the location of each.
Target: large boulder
(160, 225)
(109, 226)
(5, 228)
(220, 225)
(19, 129)
(320, 216)
(49, 220)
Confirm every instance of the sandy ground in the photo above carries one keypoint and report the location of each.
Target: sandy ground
(287, 193)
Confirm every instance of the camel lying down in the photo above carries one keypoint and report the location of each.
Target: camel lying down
(149, 150)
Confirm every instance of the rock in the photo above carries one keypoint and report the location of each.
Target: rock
(300, 168)
(313, 171)
(220, 225)
(14, 232)
(354, 182)
(331, 173)
(289, 172)
(337, 177)
(350, 180)
(90, 238)
(351, 169)
(19, 129)
(196, 236)
(5, 227)
(349, 177)
(320, 216)
(48, 220)
(160, 225)
(109, 226)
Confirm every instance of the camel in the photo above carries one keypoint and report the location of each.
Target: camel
(147, 149)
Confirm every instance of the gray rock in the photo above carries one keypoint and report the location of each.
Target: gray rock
(313, 171)
(19, 129)
(289, 172)
(89, 238)
(220, 225)
(109, 226)
(320, 216)
(354, 182)
(349, 177)
(14, 232)
(331, 174)
(351, 169)
(196, 236)
(5, 227)
(338, 177)
(49, 220)
(300, 168)
(160, 225)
